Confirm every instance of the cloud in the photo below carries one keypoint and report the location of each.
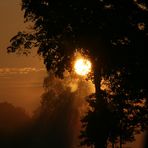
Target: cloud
(22, 70)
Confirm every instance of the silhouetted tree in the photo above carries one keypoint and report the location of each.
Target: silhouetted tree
(129, 108)
(91, 122)
(53, 121)
(13, 123)
(145, 140)
(113, 34)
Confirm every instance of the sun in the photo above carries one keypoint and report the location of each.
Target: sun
(82, 66)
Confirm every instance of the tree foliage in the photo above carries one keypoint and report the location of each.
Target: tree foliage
(129, 108)
(113, 32)
(14, 124)
(129, 111)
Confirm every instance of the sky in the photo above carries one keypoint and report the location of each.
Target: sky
(21, 77)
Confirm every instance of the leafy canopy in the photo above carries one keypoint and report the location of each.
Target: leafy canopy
(112, 33)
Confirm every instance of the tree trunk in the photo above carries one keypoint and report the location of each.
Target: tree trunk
(100, 145)
(120, 141)
(113, 144)
(102, 114)
(120, 133)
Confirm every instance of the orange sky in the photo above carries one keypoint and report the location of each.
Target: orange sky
(21, 77)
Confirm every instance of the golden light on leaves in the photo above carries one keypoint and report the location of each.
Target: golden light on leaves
(82, 66)
(141, 26)
(141, 5)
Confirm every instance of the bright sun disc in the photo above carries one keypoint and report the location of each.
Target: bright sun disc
(82, 66)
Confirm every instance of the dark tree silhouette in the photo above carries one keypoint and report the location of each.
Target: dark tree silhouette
(57, 119)
(13, 122)
(129, 112)
(145, 141)
(129, 108)
(113, 34)
(53, 120)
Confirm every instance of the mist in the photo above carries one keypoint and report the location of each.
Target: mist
(62, 106)
(56, 121)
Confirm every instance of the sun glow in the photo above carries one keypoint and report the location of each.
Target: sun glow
(82, 66)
